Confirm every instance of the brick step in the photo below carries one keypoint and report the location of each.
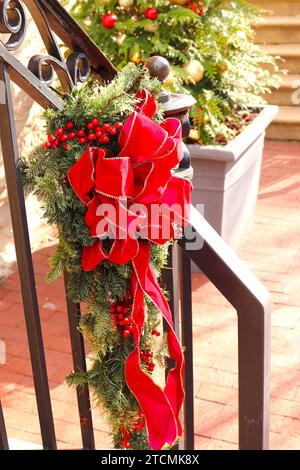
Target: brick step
(288, 94)
(290, 53)
(278, 30)
(279, 7)
(286, 125)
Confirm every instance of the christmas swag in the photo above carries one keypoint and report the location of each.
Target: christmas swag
(105, 179)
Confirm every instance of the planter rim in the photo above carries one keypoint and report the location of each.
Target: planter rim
(233, 150)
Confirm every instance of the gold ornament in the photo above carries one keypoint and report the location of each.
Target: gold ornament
(195, 70)
(194, 135)
(151, 27)
(178, 2)
(135, 55)
(126, 3)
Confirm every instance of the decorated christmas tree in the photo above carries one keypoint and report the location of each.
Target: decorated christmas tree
(209, 44)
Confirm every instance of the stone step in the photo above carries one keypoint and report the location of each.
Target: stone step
(280, 7)
(290, 53)
(286, 125)
(278, 30)
(288, 94)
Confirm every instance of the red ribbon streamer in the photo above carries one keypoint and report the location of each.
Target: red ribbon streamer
(141, 174)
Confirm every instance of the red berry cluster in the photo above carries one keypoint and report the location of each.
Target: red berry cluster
(146, 357)
(92, 133)
(137, 426)
(121, 316)
(196, 7)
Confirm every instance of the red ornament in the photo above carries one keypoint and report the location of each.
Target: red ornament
(151, 13)
(109, 20)
(70, 125)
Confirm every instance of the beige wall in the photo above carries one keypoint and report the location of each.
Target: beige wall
(30, 132)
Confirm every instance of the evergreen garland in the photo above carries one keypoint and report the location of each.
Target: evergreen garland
(44, 173)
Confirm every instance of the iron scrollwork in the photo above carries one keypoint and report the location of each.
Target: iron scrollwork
(13, 21)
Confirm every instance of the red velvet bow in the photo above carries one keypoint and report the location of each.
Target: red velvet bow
(120, 194)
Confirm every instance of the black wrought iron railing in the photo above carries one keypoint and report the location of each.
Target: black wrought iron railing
(215, 259)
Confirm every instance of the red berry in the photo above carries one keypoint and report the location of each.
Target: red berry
(112, 131)
(127, 434)
(64, 138)
(99, 134)
(47, 145)
(155, 333)
(115, 328)
(59, 132)
(149, 353)
(151, 13)
(95, 122)
(81, 133)
(98, 129)
(90, 126)
(105, 139)
(106, 127)
(118, 125)
(112, 309)
(82, 140)
(151, 365)
(126, 321)
(70, 125)
(140, 426)
(120, 308)
(126, 333)
(51, 138)
(130, 328)
(125, 310)
(120, 316)
(72, 135)
(109, 20)
(91, 137)
(66, 146)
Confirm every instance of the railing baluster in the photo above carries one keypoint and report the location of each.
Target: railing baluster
(24, 258)
(78, 353)
(252, 301)
(3, 435)
(187, 340)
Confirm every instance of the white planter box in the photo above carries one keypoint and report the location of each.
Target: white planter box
(226, 178)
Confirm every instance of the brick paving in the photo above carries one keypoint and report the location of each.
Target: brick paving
(271, 250)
